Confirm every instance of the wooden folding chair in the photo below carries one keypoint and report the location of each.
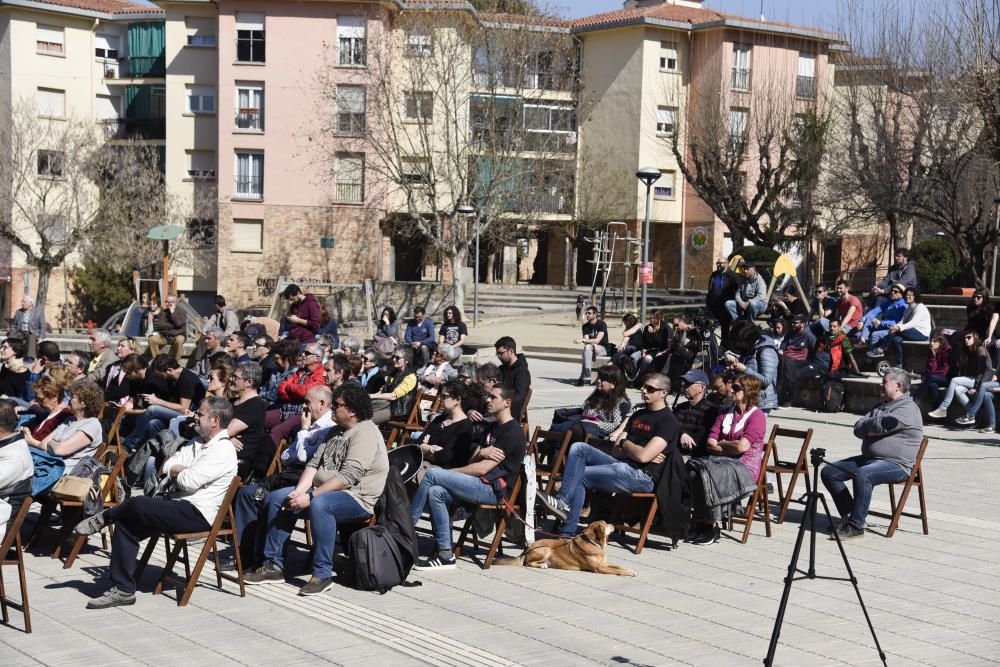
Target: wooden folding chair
(114, 429)
(916, 479)
(275, 465)
(523, 417)
(412, 421)
(12, 553)
(506, 514)
(551, 472)
(394, 438)
(758, 499)
(72, 510)
(794, 468)
(625, 501)
(223, 526)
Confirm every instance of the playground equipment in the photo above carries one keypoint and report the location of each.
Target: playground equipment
(612, 247)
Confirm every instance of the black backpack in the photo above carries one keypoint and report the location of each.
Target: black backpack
(378, 564)
(831, 396)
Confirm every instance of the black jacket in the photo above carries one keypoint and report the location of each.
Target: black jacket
(673, 494)
(518, 376)
(393, 511)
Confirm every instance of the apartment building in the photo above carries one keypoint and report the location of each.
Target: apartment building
(645, 69)
(89, 60)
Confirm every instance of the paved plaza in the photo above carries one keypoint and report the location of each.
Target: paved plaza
(934, 599)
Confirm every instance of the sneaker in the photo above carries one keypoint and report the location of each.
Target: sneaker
(938, 413)
(965, 420)
(875, 353)
(987, 429)
(315, 586)
(435, 563)
(557, 506)
(112, 598)
(849, 532)
(227, 564)
(91, 525)
(707, 537)
(268, 573)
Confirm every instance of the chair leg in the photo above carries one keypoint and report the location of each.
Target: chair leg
(145, 557)
(239, 565)
(461, 537)
(218, 566)
(495, 544)
(25, 609)
(766, 512)
(196, 572)
(751, 511)
(168, 569)
(897, 510)
(646, 526)
(923, 503)
(70, 517)
(75, 551)
(3, 593)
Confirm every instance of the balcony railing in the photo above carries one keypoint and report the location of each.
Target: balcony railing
(134, 128)
(741, 78)
(805, 87)
(133, 67)
(249, 120)
(532, 80)
(249, 187)
(530, 201)
(350, 192)
(350, 124)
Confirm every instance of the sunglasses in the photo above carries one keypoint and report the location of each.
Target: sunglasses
(737, 386)
(649, 389)
(970, 338)
(395, 358)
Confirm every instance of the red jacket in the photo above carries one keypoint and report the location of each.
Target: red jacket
(293, 390)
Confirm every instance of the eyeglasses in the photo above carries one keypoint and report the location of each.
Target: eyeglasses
(977, 296)
(398, 358)
(970, 338)
(737, 386)
(237, 378)
(339, 404)
(649, 389)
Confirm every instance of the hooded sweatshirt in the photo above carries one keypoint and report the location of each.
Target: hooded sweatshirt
(307, 309)
(518, 376)
(892, 431)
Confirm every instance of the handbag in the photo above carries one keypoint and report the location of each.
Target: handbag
(383, 345)
(71, 487)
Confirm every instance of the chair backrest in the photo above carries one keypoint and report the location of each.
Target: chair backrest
(227, 502)
(414, 416)
(768, 452)
(115, 429)
(109, 491)
(805, 436)
(562, 442)
(14, 527)
(275, 464)
(920, 457)
(523, 417)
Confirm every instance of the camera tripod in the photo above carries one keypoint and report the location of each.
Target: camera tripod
(813, 498)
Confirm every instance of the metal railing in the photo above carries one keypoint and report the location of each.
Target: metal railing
(805, 87)
(350, 192)
(249, 187)
(741, 78)
(249, 120)
(134, 128)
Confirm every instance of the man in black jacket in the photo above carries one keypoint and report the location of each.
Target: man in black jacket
(513, 372)
(722, 286)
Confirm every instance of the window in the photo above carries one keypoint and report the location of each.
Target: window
(249, 38)
(201, 32)
(50, 40)
(201, 165)
(248, 236)
(668, 56)
(418, 106)
(51, 103)
(805, 82)
(50, 163)
(351, 40)
(52, 226)
(249, 107)
(350, 111)
(350, 178)
(664, 188)
(106, 52)
(737, 129)
(666, 121)
(201, 232)
(418, 44)
(415, 171)
(249, 175)
(201, 99)
(741, 67)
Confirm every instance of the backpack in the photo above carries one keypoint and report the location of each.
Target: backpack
(831, 396)
(378, 564)
(83, 484)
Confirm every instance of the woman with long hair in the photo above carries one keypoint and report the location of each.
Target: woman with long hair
(655, 338)
(602, 412)
(447, 442)
(935, 377)
(386, 333)
(981, 316)
(974, 368)
(454, 331)
(396, 396)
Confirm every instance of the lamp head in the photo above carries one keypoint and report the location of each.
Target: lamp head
(465, 209)
(648, 175)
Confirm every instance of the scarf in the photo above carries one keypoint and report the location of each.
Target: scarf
(15, 365)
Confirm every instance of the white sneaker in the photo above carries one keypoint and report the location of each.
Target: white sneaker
(938, 413)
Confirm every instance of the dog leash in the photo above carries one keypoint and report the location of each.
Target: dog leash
(510, 508)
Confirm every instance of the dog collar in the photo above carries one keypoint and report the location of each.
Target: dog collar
(588, 538)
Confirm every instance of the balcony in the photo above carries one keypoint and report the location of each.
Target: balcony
(249, 187)
(143, 129)
(533, 202)
(805, 87)
(350, 192)
(249, 121)
(350, 124)
(741, 79)
(532, 80)
(134, 67)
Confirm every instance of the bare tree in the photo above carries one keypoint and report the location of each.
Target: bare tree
(63, 189)
(454, 113)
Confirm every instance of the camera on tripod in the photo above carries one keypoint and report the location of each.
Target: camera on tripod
(817, 455)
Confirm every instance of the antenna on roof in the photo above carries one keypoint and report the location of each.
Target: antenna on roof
(762, 11)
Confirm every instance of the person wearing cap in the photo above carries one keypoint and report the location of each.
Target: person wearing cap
(877, 321)
(751, 298)
(697, 415)
(303, 319)
(722, 286)
(796, 351)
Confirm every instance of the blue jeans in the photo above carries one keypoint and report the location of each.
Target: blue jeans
(958, 388)
(589, 468)
(877, 337)
(148, 424)
(933, 385)
(868, 472)
(896, 341)
(245, 512)
(324, 511)
(438, 489)
(754, 308)
(984, 400)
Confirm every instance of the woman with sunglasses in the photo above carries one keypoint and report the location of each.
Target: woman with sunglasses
(735, 447)
(395, 398)
(13, 373)
(447, 442)
(974, 368)
(914, 325)
(981, 316)
(370, 377)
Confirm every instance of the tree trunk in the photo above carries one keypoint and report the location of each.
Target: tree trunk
(490, 261)
(573, 264)
(458, 271)
(43, 285)
(567, 257)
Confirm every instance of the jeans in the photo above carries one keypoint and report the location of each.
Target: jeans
(962, 381)
(984, 399)
(589, 468)
(877, 337)
(933, 385)
(589, 353)
(754, 308)
(868, 472)
(148, 424)
(324, 512)
(896, 342)
(438, 489)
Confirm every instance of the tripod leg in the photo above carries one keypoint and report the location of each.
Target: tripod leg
(854, 582)
(789, 578)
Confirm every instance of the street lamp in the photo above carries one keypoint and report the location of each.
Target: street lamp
(647, 175)
(465, 209)
(993, 276)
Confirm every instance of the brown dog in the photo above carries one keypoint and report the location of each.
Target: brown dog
(583, 553)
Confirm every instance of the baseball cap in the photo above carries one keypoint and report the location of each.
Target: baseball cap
(695, 376)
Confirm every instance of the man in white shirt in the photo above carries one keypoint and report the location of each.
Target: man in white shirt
(201, 472)
(16, 467)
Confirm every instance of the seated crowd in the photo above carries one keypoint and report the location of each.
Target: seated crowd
(303, 421)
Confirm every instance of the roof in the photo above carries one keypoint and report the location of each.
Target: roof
(88, 7)
(691, 18)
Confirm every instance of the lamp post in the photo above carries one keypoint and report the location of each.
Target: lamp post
(993, 276)
(647, 175)
(465, 209)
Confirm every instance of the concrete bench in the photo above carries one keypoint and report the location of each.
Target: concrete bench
(914, 357)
